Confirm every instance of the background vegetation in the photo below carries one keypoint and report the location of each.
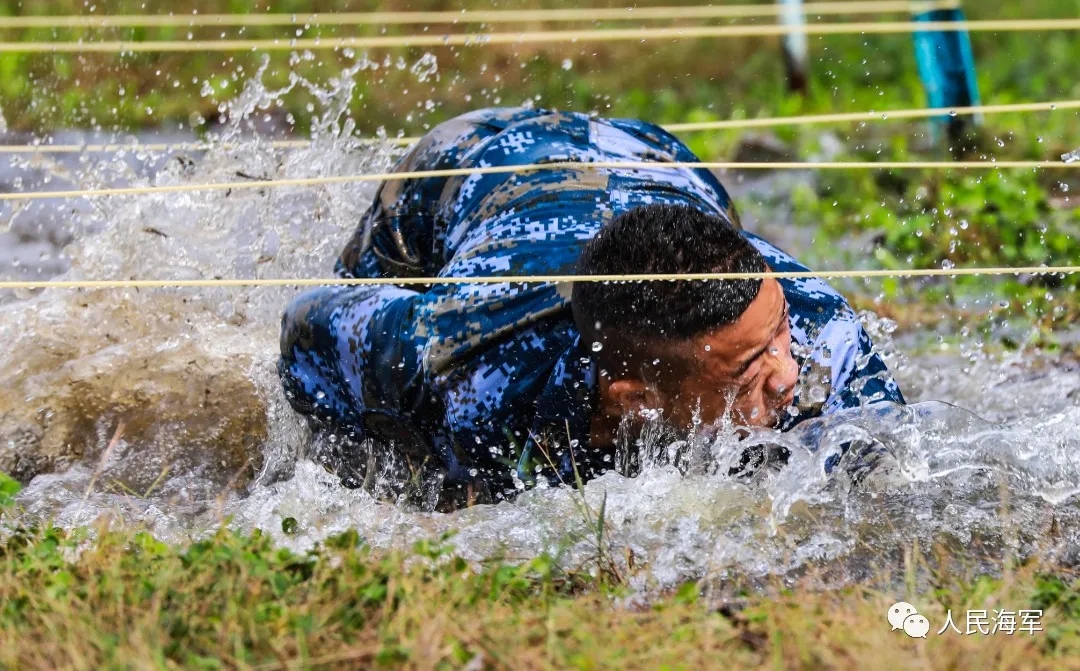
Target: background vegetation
(898, 218)
(685, 80)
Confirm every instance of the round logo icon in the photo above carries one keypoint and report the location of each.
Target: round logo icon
(916, 626)
(898, 612)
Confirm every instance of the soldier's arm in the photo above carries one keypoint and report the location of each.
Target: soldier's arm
(397, 235)
(346, 351)
(856, 374)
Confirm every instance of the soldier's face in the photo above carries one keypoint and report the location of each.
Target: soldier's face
(745, 368)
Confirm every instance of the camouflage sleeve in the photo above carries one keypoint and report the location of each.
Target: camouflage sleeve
(845, 371)
(396, 233)
(400, 234)
(348, 351)
(856, 374)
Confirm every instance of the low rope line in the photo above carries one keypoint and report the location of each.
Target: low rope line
(541, 37)
(613, 165)
(469, 16)
(176, 146)
(729, 124)
(530, 279)
(883, 115)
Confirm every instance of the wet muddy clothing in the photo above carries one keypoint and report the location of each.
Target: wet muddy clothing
(478, 374)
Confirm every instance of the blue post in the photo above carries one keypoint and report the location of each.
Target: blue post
(795, 46)
(947, 69)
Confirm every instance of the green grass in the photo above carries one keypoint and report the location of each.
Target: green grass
(105, 598)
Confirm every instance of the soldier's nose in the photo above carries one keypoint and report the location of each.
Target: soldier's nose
(784, 375)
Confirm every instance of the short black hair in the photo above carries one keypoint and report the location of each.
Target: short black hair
(634, 322)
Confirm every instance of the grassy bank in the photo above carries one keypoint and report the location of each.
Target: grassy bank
(121, 599)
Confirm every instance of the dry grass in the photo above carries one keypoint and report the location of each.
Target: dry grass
(124, 600)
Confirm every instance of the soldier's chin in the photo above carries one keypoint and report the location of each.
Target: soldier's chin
(777, 410)
(769, 420)
(770, 417)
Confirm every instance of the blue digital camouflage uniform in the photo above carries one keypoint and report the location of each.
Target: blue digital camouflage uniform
(484, 374)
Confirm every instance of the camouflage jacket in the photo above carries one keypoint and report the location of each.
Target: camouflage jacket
(482, 372)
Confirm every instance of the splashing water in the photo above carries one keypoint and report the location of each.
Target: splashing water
(163, 407)
(185, 376)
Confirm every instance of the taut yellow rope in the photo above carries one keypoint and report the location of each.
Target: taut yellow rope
(625, 165)
(466, 16)
(530, 279)
(540, 36)
(699, 126)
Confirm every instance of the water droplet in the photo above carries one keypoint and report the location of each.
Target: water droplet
(1071, 157)
(952, 113)
(597, 346)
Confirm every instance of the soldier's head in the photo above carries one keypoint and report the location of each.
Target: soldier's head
(684, 347)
